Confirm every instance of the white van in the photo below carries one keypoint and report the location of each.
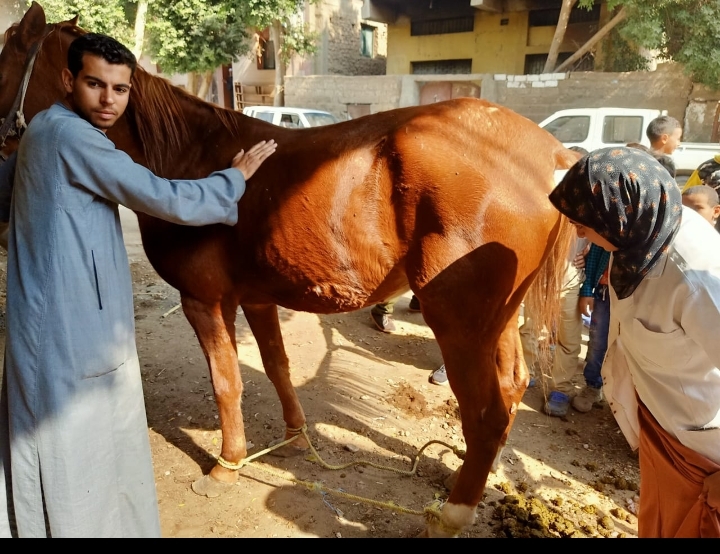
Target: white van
(293, 118)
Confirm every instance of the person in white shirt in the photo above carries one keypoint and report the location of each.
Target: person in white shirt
(660, 373)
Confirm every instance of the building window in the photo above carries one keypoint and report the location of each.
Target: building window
(266, 57)
(535, 63)
(442, 67)
(367, 41)
(443, 26)
(548, 18)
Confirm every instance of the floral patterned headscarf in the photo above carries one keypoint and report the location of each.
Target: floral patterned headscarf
(629, 199)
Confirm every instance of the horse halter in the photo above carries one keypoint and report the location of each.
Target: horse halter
(14, 124)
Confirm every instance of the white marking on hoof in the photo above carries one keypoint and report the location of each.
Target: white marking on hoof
(455, 518)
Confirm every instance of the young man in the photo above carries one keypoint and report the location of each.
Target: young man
(664, 134)
(74, 451)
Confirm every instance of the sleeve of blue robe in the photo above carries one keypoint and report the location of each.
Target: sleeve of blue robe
(96, 165)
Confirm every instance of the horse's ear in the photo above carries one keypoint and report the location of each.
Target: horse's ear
(32, 25)
(74, 21)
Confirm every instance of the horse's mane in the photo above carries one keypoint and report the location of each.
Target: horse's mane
(156, 112)
(156, 107)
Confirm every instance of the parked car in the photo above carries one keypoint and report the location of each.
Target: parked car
(592, 128)
(294, 118)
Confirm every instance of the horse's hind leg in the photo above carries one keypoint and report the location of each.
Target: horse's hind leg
(214, 326)
(471, 326)
(513, 379)
(265, 326)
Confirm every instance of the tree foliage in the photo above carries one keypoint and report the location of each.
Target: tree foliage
(296, 37)
(195, 35)
(686, 31)
(110, 17)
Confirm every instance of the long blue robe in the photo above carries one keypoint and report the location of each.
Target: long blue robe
(73, 430)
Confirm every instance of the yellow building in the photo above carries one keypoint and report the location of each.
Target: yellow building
(478, 36)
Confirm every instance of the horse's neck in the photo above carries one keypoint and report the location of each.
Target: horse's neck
(207, 134)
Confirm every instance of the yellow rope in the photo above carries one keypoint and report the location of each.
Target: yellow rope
(432, 512)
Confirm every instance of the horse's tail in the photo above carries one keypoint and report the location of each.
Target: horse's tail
(544, 294)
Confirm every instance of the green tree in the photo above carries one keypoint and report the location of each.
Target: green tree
(195, 37)
(287, 31)
(685, 31)
(110, 17)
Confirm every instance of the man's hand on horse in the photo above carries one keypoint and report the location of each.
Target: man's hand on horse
(248, 162)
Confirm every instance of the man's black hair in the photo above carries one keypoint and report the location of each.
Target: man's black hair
(102, 46)
(662, 125)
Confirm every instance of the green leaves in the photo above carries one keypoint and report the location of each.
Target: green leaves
(192, 35)
(686, 31)
(297, 38)
(110, 17)
(195, 35)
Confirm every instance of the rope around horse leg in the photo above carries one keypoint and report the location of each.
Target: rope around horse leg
(432, 512)
(457, 451)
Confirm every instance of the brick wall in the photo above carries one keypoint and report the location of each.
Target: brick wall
(538, 96)
(534, 96)
(333, 93)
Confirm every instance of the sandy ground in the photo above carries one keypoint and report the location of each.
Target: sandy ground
(367, 397)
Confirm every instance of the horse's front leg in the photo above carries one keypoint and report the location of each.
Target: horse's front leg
(214, 325)
(265, 326)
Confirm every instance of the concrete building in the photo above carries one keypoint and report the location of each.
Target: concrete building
(347, 45)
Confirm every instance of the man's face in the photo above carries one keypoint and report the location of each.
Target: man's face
(700, 204)
(673, 141)
(100, 92)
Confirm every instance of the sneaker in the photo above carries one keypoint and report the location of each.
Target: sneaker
(439, 376)
(414, 305)
(384, 322)
(557, 404)
(587, 398)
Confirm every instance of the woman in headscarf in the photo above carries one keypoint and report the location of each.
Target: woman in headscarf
(661, 373)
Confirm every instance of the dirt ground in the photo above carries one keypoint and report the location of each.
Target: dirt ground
(367, 397)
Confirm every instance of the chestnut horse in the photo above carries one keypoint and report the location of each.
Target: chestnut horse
(449, 200)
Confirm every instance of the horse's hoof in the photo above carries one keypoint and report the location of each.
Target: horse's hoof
(210, 487)
(289, 450)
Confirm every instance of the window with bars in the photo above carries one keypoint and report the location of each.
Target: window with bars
(546, 18)
(443, 26)
(442, 67)
(535, 63)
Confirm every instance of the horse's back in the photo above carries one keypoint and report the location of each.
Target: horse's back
(329, 227)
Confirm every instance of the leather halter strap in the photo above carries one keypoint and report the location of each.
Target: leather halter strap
(14, 124)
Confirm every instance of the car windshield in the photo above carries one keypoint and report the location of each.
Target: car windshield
(317, 119)
(265, 116)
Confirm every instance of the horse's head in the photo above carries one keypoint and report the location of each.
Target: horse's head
(30, 71)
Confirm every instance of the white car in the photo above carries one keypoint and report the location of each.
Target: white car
(294, 118)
